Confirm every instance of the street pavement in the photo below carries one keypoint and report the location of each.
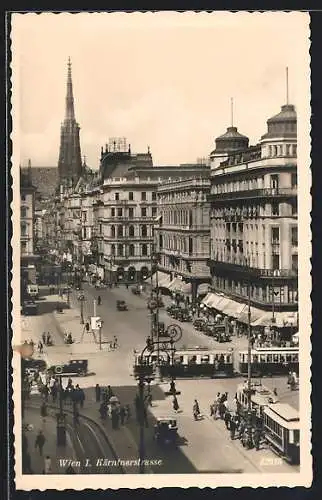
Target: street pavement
(114, 367)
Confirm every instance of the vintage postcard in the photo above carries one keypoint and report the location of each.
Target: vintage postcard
(161, 300)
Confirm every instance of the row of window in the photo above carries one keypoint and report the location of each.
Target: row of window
(250, 183)
(265, 293)
(129, 250)
(129, 212)
(259, 210)
(131, 196)
(120, 231)
(231, 230)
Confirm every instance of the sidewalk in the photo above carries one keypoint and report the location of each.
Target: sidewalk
(48, 427)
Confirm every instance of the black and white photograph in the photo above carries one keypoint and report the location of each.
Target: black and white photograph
(161, 299)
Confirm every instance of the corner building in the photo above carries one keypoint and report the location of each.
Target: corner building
(254, 240)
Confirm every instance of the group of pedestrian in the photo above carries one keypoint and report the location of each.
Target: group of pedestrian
(68, 338)
(47, 339)
(235, 421)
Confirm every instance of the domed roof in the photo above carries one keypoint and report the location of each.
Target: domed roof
(287, 113)
(230, 141)
(283, 124)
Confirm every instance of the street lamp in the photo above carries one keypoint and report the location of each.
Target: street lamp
(144, 373)
(81, 299)
(61, 417)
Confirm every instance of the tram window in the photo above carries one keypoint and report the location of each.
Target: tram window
(178, 360)
(295, 357)
(255, 358)
(282, 359)
(269, 358)
(275, 358)
(216, 357)
(288, 357)
(228, 358)
(221, 358)
(262, 358)
(192, 360)
(205, 360)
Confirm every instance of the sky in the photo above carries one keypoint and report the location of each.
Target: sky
(162, 80)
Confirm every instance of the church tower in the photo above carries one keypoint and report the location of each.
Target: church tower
(70, 162)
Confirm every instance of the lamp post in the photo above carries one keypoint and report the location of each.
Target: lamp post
(144, 373)
(61, 417)
(81, 299)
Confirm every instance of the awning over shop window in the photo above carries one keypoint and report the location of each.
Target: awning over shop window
(164, 279)
(203, 288)
(234, 309)
(212, 300)
(255, 314)
(282, 319)
(178, 285)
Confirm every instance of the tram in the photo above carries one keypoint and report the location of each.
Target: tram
(270, 361)
(282, 431)
(260, 398)
(191, 362)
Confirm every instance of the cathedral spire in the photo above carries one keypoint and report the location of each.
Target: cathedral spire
(69, 113)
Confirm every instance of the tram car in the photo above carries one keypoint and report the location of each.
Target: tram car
(190, 362)
(260, 398)
(282, 431)
(270, 361)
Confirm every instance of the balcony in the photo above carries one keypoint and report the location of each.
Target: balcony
(274, 274)
(250, 194)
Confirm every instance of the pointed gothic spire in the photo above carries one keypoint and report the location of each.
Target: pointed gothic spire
(69, 113)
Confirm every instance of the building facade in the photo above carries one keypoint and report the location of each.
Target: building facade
(254, 239)
(28, 256)
(183, 233)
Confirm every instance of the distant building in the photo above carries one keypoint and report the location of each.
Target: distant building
(254, 238)
(28, 256)
(183, 234)
(45, 180)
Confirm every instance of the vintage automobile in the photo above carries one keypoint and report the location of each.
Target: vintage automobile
(199, 324)
(166, 431)
(34, 365)
(29, 307)
(136, 290)
(183, 315)
(121, 305)
(74, 367)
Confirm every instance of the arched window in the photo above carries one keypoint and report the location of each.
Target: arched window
(113, 249)
(113, 231)
(144, 231)
(120, 250)
(119, 231)
(131, 250)
(131, 231)
(144, 249)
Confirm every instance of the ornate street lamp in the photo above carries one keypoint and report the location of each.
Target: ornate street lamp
(145, 374)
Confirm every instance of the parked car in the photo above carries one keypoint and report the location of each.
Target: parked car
(121, 305)
(199, 323)
(29, 307)
(74, 367)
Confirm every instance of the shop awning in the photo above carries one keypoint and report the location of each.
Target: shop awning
(178, 285)
(255, 314)
(203, 288)
(164, 279)
(234, 308)
(282, 319)
(213, 300)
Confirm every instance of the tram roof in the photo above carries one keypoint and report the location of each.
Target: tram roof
(284, 414)
(272, 350)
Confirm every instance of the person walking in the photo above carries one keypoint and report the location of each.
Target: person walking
(97, 393)
(232, 428)
(227, 419)
(109, 392)
(115, 343)
(196, 410)
(40, 442)
(103, 411)
(40, 347)
(47, 468)
(257, 438)
(175, 404)
(99, 300)
(44, 338)
(43, 410)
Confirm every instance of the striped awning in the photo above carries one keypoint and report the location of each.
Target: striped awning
(255, 314)
(212, 300)
(178, 285)
(234, 308)
(282, 319)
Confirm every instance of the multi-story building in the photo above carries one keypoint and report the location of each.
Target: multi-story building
(183, 233)
(27, 234)
(254, 239)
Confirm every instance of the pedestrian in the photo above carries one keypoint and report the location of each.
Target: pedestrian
(99, 300)
(221, 410)
(44, 338)
(256, 438)
(47, 469)
(242, 428)
(196, 410)
(175, 404)
(172, 387)
(97, 393)
(43, 410)
(115, 418)
(115, 343)
(275, 391)
(54, 391)
(103, 411)
(45, 392)
(128, 412)
(232, 428)
(227, 419)
(81, 398)
(40, 347)
(40, 442)
(122, 414)
(109, 392)
(86, 327)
